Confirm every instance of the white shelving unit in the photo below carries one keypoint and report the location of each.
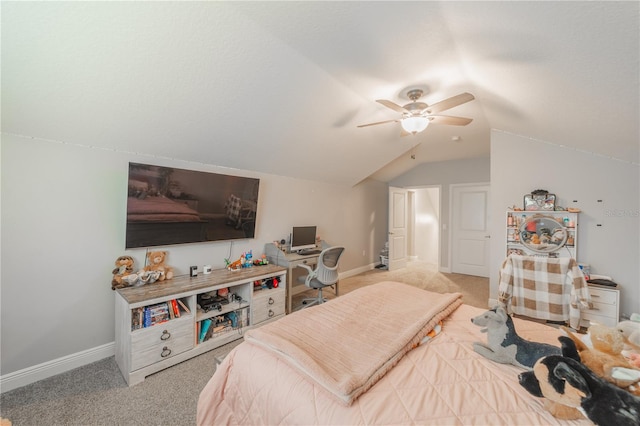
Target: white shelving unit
(141, 351)
(514, 219)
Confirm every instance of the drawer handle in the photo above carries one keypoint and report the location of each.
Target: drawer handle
(165, 335)
(165, 352)
(271, 313)
(271, 301)
(595, 296)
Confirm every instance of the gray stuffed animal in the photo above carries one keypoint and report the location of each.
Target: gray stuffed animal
(504, 345)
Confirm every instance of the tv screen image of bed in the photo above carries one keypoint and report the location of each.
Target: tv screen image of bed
(167, 206)
(303, 237)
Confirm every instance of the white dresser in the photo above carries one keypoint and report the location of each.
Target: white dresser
(606, 306)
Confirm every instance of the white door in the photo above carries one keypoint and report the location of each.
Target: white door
(470, 230)
(398, 218)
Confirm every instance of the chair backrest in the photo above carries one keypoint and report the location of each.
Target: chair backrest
(327, 269)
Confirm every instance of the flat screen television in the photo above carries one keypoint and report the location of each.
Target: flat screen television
(167, 206)
(303, 238)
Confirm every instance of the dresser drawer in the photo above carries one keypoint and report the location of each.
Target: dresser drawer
(602, 296)
(268, 304)
(603, 309)
(161, 341)
(589, 317)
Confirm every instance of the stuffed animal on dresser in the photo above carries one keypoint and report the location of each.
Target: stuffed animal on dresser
(124, 267)
(155, 263)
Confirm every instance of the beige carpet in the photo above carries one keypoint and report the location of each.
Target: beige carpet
(96, 394)
(475, 290)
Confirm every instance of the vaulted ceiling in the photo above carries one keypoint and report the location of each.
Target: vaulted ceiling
(279, 87)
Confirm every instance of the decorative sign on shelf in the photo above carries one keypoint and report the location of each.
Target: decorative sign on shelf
(540, 200)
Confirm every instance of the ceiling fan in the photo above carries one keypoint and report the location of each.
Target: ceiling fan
(416, 116)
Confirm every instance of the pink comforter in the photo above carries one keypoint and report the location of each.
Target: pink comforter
(441, 382)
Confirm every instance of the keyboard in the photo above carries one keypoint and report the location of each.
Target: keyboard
(311, 252)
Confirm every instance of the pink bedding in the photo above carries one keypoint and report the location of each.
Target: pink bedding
(441, 382)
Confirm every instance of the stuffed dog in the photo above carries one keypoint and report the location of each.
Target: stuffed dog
(504, 345)
(565, 380)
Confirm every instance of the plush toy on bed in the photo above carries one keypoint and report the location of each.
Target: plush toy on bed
(503, 343)
(155, 263)
(566, 381)
(631, 331)
(604, 357)
(124, 267)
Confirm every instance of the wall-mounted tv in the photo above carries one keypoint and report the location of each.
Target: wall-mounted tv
(167, 206)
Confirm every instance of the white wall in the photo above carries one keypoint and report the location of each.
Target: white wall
(63, 226)
(579, 179)
(444, 174)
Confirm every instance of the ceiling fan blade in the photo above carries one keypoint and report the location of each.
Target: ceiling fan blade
(452, 121)
(378, 122)
(451, 102)
(392, 105)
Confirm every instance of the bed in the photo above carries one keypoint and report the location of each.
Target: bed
(383, 354)
(158, 220)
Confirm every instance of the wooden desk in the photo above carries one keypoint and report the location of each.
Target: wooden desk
(291, 261)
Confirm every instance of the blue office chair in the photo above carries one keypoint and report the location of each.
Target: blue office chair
(325, 274)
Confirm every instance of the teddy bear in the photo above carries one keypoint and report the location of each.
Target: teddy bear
(605, 357)
(124, 267)
(631, 331)
(155, 263)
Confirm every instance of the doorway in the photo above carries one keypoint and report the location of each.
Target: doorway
(425, 232)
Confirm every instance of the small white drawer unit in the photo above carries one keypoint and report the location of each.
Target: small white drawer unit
(153, 344)
(268, 304)
(606, 306)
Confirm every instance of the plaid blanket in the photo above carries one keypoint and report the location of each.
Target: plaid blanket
(546, 288)
(232, 208)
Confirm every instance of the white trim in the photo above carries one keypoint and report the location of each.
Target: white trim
(51, 368)
(352, 272)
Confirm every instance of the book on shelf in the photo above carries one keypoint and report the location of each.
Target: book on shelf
(204, 327)
(175, 309)
(137, 318)
(184, 306)
(155, 314)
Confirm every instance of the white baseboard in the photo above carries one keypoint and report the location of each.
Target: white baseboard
(356, 271)
(51, 368)
(48, 369)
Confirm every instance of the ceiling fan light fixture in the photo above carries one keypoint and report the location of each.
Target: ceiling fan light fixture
(414, 124)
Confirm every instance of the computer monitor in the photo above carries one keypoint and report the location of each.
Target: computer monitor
(303, 237)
